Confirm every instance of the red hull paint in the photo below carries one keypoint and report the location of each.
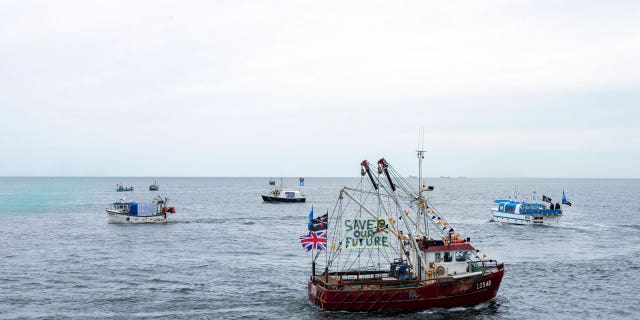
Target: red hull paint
(462, 292)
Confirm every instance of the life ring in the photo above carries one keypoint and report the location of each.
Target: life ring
(440, 271)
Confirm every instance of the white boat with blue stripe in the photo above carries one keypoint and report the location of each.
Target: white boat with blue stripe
(521, 212)
(134, 212)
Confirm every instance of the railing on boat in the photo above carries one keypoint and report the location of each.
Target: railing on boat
(482, 265)
(376, 278)
(362, 279)
(540, 211)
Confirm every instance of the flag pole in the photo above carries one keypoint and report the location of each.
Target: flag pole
(313, 267)
(313, 261)
(326, 251)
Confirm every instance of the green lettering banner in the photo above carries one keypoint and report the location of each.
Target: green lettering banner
(361, 232)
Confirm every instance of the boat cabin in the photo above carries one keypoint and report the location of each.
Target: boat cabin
(287, 194)
(515, 207)
(123, 207)
(448, 259)
(139, 209)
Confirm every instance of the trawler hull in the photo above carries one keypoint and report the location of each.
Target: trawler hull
(439, 294)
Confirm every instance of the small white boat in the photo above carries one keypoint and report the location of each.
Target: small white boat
(154, 187)
(121, 188)
(521, 212)
(282, 195)
(133, 212)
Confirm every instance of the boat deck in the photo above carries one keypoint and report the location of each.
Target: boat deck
(361, 280)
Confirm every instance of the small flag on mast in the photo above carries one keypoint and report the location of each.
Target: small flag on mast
(546, 199)
(302, 182)
(564, 199)
(319, 223)
(310, 217)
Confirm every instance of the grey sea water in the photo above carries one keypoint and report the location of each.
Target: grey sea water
(228, 255)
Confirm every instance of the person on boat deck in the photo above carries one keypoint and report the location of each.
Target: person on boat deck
(552, 206)
(557, 206)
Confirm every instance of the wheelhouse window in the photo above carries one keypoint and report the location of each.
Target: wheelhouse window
(461, 256)
(289, 195)
(448, 257)
(438, 257)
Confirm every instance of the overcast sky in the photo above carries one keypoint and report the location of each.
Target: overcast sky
(310, 88)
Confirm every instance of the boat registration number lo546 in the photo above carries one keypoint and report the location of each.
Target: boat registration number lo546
(483, 284)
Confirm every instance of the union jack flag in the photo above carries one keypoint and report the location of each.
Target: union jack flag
(314, 240)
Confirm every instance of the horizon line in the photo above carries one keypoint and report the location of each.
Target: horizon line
(312, 177)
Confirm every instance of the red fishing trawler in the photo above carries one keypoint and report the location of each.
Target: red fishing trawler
(390, 249)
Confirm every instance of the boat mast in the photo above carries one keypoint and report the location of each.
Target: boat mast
(422, 209)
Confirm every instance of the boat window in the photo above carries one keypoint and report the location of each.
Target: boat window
(509, 208)
(461, 256)
(289, 195)
(438, 257)
(447, 256)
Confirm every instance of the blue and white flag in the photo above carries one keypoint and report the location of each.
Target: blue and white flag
(564, 199)
(302, 182)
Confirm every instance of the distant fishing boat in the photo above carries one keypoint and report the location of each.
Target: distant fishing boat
(386, 248)
(272, 182)
(154, 186)
(283, 195)
(121, 188)
(134, 212)
(516, 211)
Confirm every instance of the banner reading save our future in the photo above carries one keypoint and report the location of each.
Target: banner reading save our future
(365, 232)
